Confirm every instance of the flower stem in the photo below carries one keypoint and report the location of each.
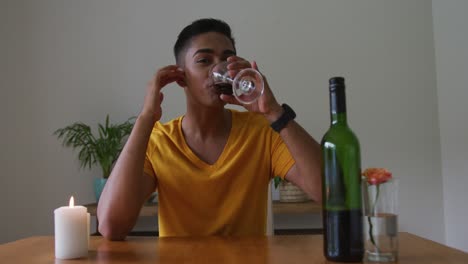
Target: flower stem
(371, 235)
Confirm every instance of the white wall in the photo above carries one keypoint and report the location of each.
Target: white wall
(79, 60)
(451, 50)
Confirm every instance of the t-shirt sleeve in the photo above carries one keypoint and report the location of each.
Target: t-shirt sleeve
(281, 158)
(148, 167)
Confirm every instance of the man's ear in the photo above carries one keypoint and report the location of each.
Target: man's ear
(182, 83)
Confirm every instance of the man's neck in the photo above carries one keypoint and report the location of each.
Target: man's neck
(207, 123)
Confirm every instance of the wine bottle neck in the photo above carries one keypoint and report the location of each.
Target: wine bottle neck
(339, 119)
(338, 107)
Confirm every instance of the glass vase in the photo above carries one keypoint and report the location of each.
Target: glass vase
(380, 204)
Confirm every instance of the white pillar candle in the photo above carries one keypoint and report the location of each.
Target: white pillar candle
(71, 231)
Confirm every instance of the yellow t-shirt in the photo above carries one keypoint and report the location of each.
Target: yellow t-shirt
(228, 197)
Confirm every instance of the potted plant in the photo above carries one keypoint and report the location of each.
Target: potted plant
(289, 192)
(102, 149)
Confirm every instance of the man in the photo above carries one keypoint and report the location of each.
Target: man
(212, 166)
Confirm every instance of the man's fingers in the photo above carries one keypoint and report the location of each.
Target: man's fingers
(234, 58)
(254, 65)
(169, 67)
(171, 72)
(167, 77)
(239, 65)
(173, 78)
(161, 97)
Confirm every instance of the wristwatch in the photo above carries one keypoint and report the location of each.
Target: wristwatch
(284, 119)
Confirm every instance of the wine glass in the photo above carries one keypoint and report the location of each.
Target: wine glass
(247, 86)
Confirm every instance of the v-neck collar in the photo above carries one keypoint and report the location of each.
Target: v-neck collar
(196, 159)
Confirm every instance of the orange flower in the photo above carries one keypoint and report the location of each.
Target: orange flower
(377, 175)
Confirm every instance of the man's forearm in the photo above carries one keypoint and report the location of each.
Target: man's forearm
(306, 152)
(122, 196)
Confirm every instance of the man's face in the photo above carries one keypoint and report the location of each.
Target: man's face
(204, 51)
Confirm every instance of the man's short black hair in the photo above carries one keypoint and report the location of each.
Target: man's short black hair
(198, 27)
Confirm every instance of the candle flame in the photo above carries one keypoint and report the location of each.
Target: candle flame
(72, 202)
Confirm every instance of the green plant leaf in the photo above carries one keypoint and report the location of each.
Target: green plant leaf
(103, 150)
(277, 180)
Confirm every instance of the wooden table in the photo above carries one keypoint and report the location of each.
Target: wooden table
(244, 250)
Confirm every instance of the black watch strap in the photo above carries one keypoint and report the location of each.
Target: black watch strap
(284, 119)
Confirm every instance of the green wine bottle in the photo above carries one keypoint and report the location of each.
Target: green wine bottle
(341, 184)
